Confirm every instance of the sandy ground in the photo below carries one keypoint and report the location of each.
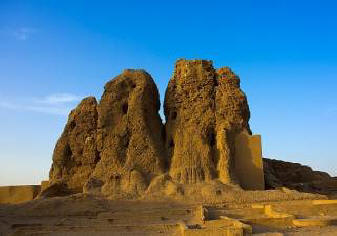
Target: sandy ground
(88, 215)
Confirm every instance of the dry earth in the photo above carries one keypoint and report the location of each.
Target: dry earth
(83, 214)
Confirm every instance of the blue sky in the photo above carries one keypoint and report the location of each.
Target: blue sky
(53, 53)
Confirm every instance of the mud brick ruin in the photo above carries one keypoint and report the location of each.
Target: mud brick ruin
(120, 147)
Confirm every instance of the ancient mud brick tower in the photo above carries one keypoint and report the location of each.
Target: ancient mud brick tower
(190, 122)
(204, 109)
(118, 146)
(129, 134)
(115, 146)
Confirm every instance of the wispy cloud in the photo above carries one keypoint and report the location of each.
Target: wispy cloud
(23, 33)
(56, 104)
(8, 105)
(58, 98)
(19, 33)
(49, 109)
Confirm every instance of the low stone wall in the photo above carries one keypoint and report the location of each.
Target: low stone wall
(18, 194)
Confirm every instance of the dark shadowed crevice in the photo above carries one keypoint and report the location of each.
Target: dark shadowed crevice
(97, 157)
(125, 108)
(163, 133)
(125, 140)
(174, 115)
(171, 144)
(72, 124)
(67, 151)
(211, 139)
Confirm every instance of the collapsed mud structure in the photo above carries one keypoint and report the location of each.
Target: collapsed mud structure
(120, 147)
(115, 146)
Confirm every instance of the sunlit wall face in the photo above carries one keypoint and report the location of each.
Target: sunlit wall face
(55, 52)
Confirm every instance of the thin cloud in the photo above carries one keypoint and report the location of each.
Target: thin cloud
(23, 33)
(59, 98)
(63, 111)
(8, 105)
(55, 104)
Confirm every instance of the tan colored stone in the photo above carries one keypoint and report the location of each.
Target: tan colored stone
(248, 161)
(18, 194)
